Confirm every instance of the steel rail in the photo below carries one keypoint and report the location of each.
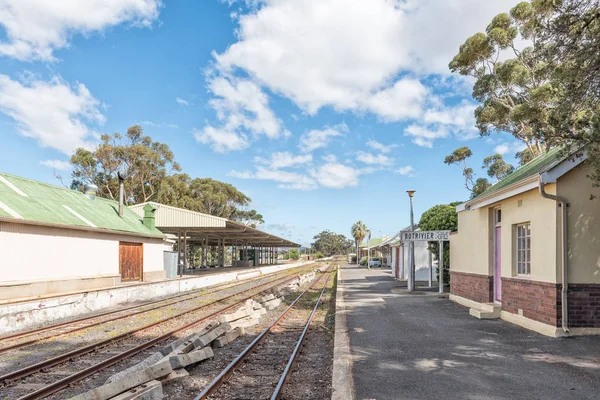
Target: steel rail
(71, 379)
(288, 368)
(229, 369)
(29, 370)
(192, 293)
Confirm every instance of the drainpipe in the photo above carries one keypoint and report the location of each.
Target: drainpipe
(562, 202)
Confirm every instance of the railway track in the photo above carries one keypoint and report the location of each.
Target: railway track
(23, 339)
(53, 375)
(261, 370)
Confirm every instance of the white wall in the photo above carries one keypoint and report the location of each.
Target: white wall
(37, 253)
(421, 261)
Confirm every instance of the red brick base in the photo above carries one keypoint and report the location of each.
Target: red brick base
(584, 305)
(479, 288)
(539, 301)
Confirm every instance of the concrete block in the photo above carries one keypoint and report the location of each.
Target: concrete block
(188, 345)
(177, 375)
(266, 298)
(105, 392)
(226, 338)
(234, 316)
(148, 391)
(215, 333)
(153, 359)
(171, 347)
(184, 360)
(244, 322)
(272, 304)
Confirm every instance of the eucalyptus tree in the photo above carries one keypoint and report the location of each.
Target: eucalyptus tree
(512, 83)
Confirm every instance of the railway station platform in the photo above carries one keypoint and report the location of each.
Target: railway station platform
(24, 313)
(421, 345)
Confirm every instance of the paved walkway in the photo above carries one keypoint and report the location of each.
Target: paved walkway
(421, 346)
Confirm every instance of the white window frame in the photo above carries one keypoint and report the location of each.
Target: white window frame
(523, 249)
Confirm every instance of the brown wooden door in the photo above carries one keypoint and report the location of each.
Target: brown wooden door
(131, 261)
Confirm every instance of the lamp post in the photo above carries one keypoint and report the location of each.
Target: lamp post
(411, 276)
(368, 248)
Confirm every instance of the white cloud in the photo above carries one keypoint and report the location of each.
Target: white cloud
(158, 124)
(372, 159)
(284, 160)
(318, 138)
(459, 119)
(384, 148)
(404, 100)
(221, 140)
(348, 54)
(181, 101)
(424, 137)
(56, 164)
(505, 148)
(54, 112)
(288, 180)
(336, 176)
(330, 158)
(35, 29)
(407, 170)
(241, 104)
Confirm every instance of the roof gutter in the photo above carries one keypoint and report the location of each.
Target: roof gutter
(563, 203)
(79, 228)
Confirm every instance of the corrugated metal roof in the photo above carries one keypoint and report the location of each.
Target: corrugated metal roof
(29, 200)
(197, 225)
(536, 166)
(173, 217)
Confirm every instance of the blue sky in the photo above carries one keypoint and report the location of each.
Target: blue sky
(323, 112)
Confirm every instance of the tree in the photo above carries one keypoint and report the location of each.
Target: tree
(440, 217)
(570, 39)
(497, 167)
(330, 243)
(152, 174)
(294, 254)
(516, 94)
(459, 157)
(359, 232)
(144, 162)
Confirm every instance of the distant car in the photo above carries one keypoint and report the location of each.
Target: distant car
(375, 262)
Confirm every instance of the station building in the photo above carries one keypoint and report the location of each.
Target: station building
(528, 249)
(55, 240)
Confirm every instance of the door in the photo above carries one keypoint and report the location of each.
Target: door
(498, 255)
(131, 261)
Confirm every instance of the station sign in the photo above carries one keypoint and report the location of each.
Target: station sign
(433, 236)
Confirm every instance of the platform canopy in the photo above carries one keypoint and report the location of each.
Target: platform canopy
(197, 226)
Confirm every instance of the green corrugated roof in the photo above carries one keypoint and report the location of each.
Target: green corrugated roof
(371, 243)
(535, 167)
(46, 203)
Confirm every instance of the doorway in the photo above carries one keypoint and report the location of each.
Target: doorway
(131, 261)
(497, 255)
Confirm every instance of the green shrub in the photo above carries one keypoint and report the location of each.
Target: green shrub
(363, 261)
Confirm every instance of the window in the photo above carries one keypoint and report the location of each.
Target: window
(497, 216)
(523, 249)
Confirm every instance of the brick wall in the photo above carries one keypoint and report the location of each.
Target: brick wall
(479, 288)
(584, 305)
(539, 301)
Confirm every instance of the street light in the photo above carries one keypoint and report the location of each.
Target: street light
(411, 277)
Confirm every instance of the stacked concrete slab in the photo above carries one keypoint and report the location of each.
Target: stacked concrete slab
(144, 380)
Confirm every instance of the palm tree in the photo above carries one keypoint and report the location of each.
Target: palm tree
(359, 231)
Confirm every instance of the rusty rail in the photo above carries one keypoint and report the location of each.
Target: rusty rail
(66, 382)
(229, 369)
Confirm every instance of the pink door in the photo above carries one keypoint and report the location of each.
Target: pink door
(498, 265)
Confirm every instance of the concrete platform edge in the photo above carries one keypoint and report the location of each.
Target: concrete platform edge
(342, 387)
(27, 315)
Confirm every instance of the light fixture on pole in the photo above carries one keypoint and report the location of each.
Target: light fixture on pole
(411, 276)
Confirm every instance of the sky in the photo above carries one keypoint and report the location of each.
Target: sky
(323, 112)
